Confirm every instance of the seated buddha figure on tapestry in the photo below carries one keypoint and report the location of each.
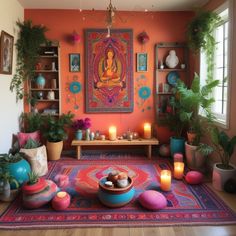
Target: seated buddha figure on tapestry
(109, 77)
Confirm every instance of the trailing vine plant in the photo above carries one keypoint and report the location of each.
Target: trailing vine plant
(200, 37)
(27, 46)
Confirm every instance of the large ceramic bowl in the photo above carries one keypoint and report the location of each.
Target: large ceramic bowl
(115, 197)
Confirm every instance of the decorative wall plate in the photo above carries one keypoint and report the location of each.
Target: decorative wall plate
(172, 78)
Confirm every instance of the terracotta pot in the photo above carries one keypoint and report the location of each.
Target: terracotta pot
(220, 176)
(195, 160)
(54, 150)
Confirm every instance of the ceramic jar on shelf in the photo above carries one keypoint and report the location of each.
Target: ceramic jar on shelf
(40, 81)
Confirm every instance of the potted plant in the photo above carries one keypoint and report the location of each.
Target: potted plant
(36, 155)
(30, 124)
(6, 194)
(224, 146)
(194, 99)
(17, 167)
(34, 184)
(27, 46)
(176, 119)
(80, 125)
(55, 133)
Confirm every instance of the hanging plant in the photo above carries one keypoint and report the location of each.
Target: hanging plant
(27, 46)
(200, 36)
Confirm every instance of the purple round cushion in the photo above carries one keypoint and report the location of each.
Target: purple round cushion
(152, 200)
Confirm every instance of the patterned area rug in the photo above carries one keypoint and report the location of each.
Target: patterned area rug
(187, 205)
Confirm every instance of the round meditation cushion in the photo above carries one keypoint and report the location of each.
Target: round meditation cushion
(194, 177)
(41, 198)
(152, 200)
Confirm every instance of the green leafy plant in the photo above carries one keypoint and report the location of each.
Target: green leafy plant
(33, 178)
(31, 144)
(31, 122)
(55, 128)
(200, 36)
(185, 104)
(12, 158)
(6, 177)
(224, 146)
(196, 99)
(27, 46)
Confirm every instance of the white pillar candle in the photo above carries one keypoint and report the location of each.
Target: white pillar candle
(147, 131)
(112, 133)
(165, 180)
(178, 170)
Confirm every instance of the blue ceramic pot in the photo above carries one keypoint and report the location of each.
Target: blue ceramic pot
(19, 171)
(79, 134)
(40, 81)
(176, 145)
(115, 197)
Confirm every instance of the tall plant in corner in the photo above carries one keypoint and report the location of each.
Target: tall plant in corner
(200, 37)
(27, 46)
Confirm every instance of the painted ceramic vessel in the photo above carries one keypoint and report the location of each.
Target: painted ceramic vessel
(19, 171)
(115, 197)
(79, 134)
(40, 81)
(172, 60)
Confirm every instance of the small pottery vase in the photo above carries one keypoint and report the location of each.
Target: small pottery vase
(79, 134)
(40, 81)
(92, 135)
(87, 134)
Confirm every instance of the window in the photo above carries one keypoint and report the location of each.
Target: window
(221, 68)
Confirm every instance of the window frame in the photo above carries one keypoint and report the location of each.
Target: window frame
(228, 4)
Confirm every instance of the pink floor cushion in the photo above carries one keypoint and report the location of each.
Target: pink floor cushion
(194, 177)
(41, 198)
(24, 137)
(152, 200)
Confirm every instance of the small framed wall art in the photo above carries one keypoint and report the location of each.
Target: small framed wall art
(74, 60)
(6, 53)
(142, 61)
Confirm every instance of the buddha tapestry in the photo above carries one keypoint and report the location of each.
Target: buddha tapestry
(109, 70)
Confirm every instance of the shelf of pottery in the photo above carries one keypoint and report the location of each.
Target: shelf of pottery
(171, 65)
(44, 89)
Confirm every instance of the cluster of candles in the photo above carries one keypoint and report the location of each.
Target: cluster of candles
(165, 178)
(147, 132)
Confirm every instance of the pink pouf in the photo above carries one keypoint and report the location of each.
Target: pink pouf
(194, 177)
(152, 200)
(61, 201)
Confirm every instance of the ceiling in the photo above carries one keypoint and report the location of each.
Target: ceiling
(126, 5)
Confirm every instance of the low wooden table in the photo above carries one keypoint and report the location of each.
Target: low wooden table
(148, 143)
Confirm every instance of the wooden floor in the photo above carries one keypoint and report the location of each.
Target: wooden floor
(230, 199)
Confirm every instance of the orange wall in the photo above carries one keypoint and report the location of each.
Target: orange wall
(160, 26)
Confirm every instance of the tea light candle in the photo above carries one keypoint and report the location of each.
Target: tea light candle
(61, 194)
(178, 170)
(112, 133)
(178, 157)
(147, 132)
(165, 180)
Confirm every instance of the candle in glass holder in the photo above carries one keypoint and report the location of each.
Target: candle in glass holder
(112, 133)
(165, 180)
(147, 131)
(178, 170)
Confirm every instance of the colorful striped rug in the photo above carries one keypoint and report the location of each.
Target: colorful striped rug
(187, 205)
